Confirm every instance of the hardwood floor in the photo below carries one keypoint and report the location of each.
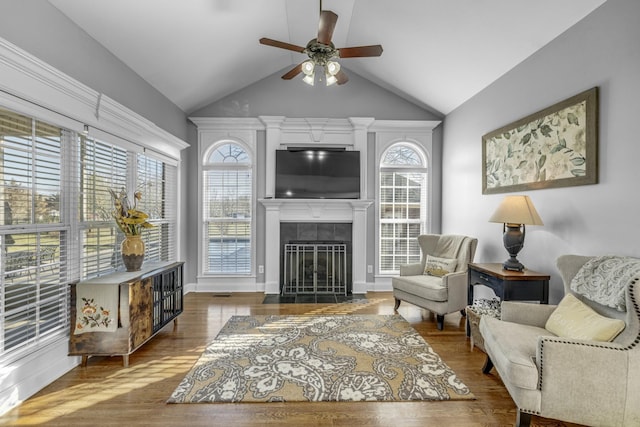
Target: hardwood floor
(105, 393)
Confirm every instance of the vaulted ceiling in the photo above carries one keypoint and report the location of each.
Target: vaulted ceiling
(437, 53)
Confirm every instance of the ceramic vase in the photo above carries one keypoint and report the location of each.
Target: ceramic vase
(132, 249)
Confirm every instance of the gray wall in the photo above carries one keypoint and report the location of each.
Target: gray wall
(273, 96)
(45, 32)
(601, 50)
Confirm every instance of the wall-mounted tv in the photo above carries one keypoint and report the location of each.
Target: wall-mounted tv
(317, 174)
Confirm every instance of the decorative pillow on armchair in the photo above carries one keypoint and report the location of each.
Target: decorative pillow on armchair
(574, 319)
(435, 266)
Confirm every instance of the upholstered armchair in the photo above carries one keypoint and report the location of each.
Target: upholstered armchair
(439, 281)
(555, 375)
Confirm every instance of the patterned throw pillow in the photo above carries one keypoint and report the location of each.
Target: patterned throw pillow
(435, 266)
(574, 319)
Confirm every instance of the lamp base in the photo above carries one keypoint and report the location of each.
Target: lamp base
(513, 264)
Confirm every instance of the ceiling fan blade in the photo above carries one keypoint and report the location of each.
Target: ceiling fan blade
(282, 45)
(293, 72)
(360, 51)
(342, 77)
(326, 26)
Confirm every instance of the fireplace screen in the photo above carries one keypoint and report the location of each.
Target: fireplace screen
(315, 268)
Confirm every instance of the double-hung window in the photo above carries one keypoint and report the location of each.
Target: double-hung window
(227, 210)
(403, 205)
(103, 166)
(34, 231)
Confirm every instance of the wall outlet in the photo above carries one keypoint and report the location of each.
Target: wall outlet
(261, 269)
(370, 269)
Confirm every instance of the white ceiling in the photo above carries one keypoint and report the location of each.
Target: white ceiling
(438, 53)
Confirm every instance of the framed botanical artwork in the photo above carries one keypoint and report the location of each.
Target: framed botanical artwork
(555, 147)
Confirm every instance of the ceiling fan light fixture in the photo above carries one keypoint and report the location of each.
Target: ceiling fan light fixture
(330, 79)
(332, 68)
(308, 67)
(309, 79)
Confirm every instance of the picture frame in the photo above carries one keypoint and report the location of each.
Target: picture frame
(554, 147)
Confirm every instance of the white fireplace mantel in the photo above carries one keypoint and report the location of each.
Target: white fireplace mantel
(352, 211)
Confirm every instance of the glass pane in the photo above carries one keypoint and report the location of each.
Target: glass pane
(47, 173)
(103, 167)
(100, 250)
(401, 155)
(229, 247)
(229, 153)
(386, 179)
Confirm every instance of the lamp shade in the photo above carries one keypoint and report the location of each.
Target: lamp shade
(516, 210)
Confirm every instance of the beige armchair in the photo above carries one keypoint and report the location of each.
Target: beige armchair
(449, 255)
(574, 380)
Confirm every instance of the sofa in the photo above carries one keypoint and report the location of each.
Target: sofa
(554, 368)
(439, 281)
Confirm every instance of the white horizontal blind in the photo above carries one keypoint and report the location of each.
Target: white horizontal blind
(157, 183)
(403, 207)
(34, 234)
(103, 166)
(228, 194)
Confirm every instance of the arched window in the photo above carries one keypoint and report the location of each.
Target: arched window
(403, 205)
(227, 203)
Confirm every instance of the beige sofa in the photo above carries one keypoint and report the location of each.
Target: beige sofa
(580, 381)
(440, 295)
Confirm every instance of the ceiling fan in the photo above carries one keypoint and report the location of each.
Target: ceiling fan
(322, 52)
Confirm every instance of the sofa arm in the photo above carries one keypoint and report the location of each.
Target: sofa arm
(526, 313)
(586, 382)
(414, 269)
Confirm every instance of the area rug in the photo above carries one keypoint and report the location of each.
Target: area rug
(315, 358)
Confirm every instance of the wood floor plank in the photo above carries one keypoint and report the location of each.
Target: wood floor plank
(106, 393)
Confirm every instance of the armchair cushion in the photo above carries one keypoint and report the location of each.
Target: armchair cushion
(436, 266)
(513, 346)
(424, 286)
(574, 319)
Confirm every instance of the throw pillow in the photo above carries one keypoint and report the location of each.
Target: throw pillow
(574, 319)
(435, 266)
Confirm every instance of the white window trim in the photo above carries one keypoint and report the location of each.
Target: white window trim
(387, 133)
(212, 133)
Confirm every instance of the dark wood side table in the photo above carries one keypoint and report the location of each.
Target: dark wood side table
(523, 285)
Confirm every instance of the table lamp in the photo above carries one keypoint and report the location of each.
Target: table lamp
(515, 212)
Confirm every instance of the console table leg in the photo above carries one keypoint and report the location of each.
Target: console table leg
(85, 359)
(125, 360)
(175, 323)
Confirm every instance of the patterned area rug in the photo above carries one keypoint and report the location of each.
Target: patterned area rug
(318, 358)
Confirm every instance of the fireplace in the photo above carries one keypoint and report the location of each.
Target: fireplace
(316, 258)
(327, 221)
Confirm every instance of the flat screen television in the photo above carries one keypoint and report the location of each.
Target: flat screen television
(317, 174)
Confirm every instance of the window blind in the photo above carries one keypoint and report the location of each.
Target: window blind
(157, 181)
(227, 204)
(33, 235)
(103, 166)
(403, 207)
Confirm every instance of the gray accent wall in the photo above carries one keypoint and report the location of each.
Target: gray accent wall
(273, 96)
(601, 50)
